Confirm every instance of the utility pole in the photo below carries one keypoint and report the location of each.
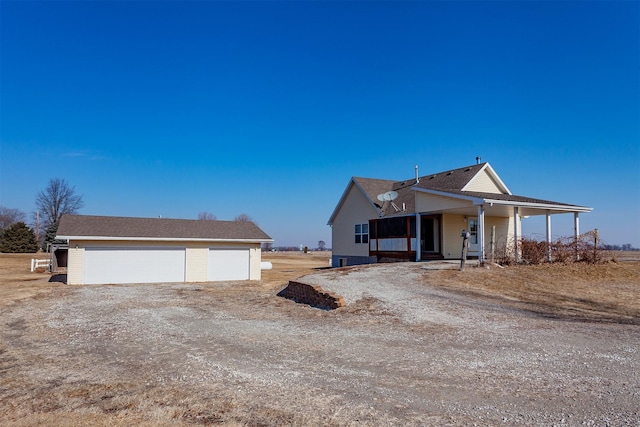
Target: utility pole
(38, 228)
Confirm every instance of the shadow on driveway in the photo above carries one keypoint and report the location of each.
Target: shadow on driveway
(61, 278)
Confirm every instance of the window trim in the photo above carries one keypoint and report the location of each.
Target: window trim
(361, 233)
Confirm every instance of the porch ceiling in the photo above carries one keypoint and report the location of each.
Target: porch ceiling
(504, 208)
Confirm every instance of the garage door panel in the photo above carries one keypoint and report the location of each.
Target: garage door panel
(228, 264)
(134, 265)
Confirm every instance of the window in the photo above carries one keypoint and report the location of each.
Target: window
(362, 233)
(473, 230)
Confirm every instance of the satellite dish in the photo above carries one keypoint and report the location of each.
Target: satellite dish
(390, 195)
(381, 197)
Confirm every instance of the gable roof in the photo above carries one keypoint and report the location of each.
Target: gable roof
(452, 183)
(128, 228)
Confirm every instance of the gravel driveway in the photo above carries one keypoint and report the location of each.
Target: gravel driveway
(401, 353)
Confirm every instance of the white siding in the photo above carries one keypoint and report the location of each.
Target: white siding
(392, 245)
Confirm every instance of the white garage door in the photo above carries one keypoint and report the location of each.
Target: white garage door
(134, 265)
(228, 264)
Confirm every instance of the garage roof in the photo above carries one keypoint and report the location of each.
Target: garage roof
(86, 227)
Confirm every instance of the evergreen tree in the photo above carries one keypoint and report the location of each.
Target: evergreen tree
(18, 239)
(50, 236)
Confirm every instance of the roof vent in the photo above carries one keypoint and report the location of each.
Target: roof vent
(417, 178)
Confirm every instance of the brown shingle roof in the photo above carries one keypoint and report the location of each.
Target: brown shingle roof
(455, 179)
(505, 197)
(157, 228)
(452, 182)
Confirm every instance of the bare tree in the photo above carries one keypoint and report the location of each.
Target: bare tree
(243, 218)
(206, 216)
(9, 216)
(56, 200)
(321, 245)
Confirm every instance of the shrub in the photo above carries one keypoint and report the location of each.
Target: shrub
(18, 239)
(586, 248)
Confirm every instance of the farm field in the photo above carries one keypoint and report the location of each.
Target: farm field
(552, 344)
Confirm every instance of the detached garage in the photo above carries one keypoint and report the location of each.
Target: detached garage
(155, 250)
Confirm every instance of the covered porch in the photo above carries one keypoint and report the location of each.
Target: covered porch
(476, 208)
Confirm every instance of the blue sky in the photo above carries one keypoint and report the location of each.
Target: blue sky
(268, 108)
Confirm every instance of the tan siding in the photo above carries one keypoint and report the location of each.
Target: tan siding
(355, 209)
(132, 243)
(75, 272)
(452, 226)
(483, 183)
(502, 237)
(433, 203)
(197, 257)
(197, 260)
(255, 256)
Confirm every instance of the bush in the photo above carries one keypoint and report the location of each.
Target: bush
(585, 248)
(18, 239)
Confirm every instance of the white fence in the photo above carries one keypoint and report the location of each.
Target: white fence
(37, 263)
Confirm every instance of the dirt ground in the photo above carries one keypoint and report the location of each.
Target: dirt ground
(416, 345)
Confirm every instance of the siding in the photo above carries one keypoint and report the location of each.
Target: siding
(434, 203)
(483, 183)
(454, 224)
(197, 257)
(355, 209)
(75, 260)
(503, 235)
(255, 257)
(197, 264)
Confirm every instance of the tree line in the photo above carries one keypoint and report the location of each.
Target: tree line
(57, 199)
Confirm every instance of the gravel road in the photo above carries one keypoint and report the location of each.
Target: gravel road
(401, 353)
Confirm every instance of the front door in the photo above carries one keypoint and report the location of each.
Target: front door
(473, 240)
(430, 234)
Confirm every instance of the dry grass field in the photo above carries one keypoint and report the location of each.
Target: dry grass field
(528, 345)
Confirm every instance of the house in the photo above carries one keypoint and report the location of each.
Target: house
(106, 249)
(423, 217)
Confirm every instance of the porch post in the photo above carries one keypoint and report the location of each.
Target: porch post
(418, 242)
(516, 234)
(481, 234)
(576, 232)
(548, 235)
